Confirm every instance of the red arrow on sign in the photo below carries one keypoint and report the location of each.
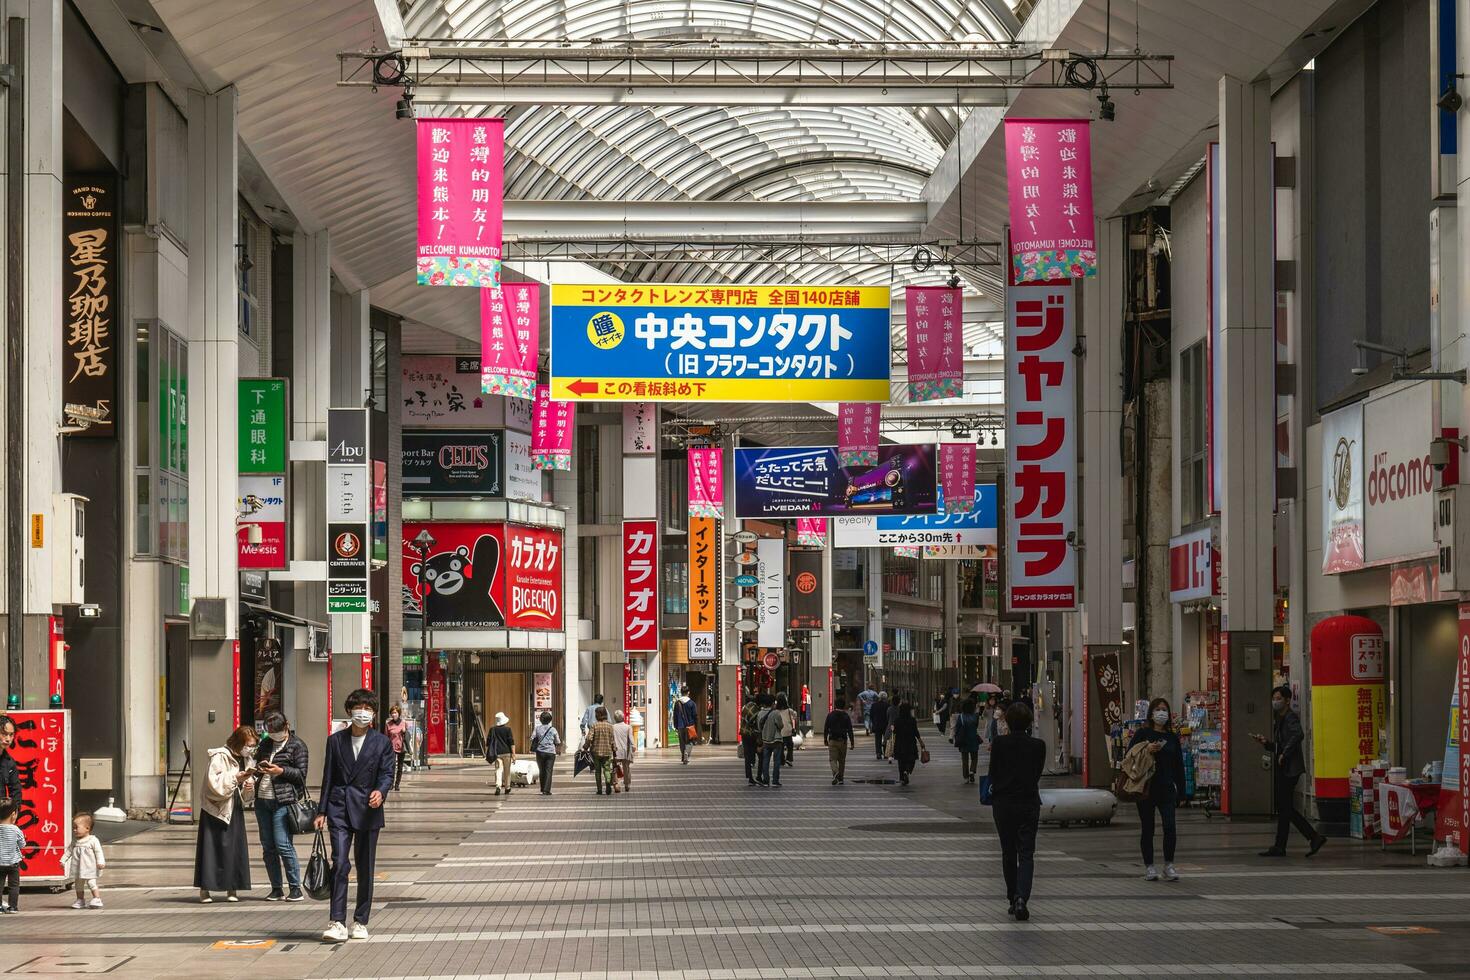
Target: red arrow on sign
(580, 387)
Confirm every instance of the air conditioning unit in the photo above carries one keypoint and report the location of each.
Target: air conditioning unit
(69, 549)
(1453, 537)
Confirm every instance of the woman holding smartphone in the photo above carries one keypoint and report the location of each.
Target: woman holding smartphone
(221, 860)
(1165, 789)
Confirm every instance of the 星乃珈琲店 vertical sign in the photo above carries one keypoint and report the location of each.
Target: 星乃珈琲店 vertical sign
(89, 303)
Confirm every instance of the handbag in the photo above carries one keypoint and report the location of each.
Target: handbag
(987, 791)
(318, 878)
(301, 815)
(924, 757)
(691, 733)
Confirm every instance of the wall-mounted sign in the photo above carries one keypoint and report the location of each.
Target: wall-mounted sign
(442, 391)
(260, 524)
(798, 482)
(1194, 566)
(263, 422)
(1398, 480)
(702, 647)
(348, 495)
(533, 578)
(704, 536)
(770, 614)
(977, 526)
(461, 582)
(445, 463)
(639, 434)
(806, 591)
(1342, 489)
(89, 274)
(522, 479)
(43, 758)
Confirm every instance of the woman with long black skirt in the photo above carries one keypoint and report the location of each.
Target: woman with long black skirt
(1016, 761)
(221, 859)
(906, 741)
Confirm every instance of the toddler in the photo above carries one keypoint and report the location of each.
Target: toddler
(84, 862)
(11, 843)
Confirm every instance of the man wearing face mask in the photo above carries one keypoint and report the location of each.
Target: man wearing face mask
(355, 782)
(1287, 766)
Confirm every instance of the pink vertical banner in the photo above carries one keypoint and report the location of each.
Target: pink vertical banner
(553, 424)
(1049, 178)
(857, 433)
(510, 339)
(957, 476)
(706, 483)
(811, 532)
(936, 342)
(460, 180)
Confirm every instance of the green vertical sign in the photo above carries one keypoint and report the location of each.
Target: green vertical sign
(262, 425)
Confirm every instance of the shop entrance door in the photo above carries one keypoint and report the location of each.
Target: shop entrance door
(508, 692)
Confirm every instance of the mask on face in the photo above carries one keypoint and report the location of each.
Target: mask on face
(1161, 717)
(1278, 705)
(279, 736)
(362, 717)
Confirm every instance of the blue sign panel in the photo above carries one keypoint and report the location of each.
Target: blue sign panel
(973, 527)
(802, 482)
(723, 343)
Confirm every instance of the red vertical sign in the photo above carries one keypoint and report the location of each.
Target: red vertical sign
(1224, 722)
(434, 705)
(235, 686)
(42, 753)
(367, 670)
(628, 693)
(640, 586)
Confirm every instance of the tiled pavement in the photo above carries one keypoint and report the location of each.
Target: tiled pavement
(696, 876)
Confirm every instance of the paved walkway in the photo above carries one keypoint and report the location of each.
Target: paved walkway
(696, 876)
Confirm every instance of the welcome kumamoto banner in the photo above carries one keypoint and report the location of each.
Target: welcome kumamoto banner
(460, 178)
(719, 342)
(858, 436)
(706, 482)
(1049, 178)
(552, 428)
(936, 355)
(510, 339)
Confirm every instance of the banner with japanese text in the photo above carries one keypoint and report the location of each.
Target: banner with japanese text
(639, 437)
(640, 586)
(957, 476)
(1041, 448)
(90, 271)
(706, 482)
(42, 754)
(626, 342)
(811, 532)
(533, 578)
(552, 428)
(936, 342)
(510, 339)
(858, 433)
(1049, 179)
(460, 178)
(704, 538)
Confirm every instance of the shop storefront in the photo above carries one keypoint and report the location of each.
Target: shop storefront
(702, 679)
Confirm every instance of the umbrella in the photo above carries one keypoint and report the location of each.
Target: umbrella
(582, 761)
(985, 689)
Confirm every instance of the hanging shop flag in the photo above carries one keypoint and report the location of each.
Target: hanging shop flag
(639, 419)
(857, 433)
(461, 168)
(533, 577)
(811, 532)
(510, 339)
(1049, 177)
(975, 527)
(936, 342)
(800, 482)
(89, 274)
(640, 586)
(770, 612)
(806, 590)
(706, 482)
(1041, 448)
(551, 432)
(704, 536)
(623, 342)
(957, 476)
(43, 757)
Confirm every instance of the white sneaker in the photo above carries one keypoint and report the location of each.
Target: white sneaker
(359, 931)
(336, 933)
(1170, 874)
(1152, 874)
(78, 904)
(95, 903)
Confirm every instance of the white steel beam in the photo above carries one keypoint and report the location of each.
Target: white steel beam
(430, 94)
(701, 219)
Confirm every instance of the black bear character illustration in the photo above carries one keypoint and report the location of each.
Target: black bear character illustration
(458, 585)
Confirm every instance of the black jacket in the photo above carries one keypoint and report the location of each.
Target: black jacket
(1168, 761)
(292, 757)
(878, 716)
(500, 741)
(1286, 746)
(1016, 762)
(838, 728)
(9, 777)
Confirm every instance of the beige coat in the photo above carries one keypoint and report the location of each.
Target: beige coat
(220, 784)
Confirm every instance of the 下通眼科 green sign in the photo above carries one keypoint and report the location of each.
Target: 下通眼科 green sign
(262, 425)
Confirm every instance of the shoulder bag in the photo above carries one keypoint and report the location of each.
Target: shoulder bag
(317, 881)
(302, 814)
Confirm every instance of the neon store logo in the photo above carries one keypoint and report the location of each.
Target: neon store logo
(1398, 481)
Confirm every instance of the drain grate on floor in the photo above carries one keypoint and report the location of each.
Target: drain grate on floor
(70, 964)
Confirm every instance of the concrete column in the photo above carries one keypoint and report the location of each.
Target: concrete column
(214, 359)
(1245, 422)
(874, 581)
(574, 693)
(819, 670)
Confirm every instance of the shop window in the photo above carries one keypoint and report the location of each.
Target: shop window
(161, 453)
(589, 477)
(900, 576)
(676, 587)
(247, 276)
(378, 364)
(848, 566)
(1193, 502)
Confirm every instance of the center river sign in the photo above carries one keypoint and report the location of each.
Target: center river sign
(722, 343)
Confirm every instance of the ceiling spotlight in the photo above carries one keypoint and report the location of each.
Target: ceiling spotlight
(994, 439)
(404, 108)
(961, 432)
(1106, 111)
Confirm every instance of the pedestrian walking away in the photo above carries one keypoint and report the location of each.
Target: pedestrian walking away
(12, 852)
(750, 736)
(357, 776)
(867, 697)
(1016, 762)
(907, 743)
(546, 743)
(967, 739)
(1287, 766)
(221, 859)
(1165, 788)
(838, 736)
(589, 716)
(397, 730)
(878, 723)
(601, 741)
(500, 752)
(775, 723)
(686, 723)
(283, 767)
(788, 743)
(82, 861)
(624, 748)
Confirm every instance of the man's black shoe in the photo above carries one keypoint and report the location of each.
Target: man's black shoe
(1317, 843)
(1273, 852)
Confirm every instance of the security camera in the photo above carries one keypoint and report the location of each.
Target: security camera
(1439, 451)
(1450, 100)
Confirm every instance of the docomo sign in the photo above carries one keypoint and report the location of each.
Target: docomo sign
(1398, 485)
(640, 586)
(1194, 566)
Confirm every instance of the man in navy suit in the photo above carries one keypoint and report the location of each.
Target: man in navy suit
(355, 781)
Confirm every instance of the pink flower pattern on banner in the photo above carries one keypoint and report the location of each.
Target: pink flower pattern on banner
(858, 433)
(1049, 178)
(553, 425)
(811, 532)
(510, 339)
(957, 476)
(706, 482)
(460, 178)
(936, 342)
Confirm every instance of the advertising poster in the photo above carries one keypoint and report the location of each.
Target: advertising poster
(461, 584)
(1041, 448)
(1452, 822)
(1342, 490)
(957, 476)
(809, 481)
(811, 532)
(722, 343)
(552, 428)
(434, 701)
(806, 591)
(1049, 183)
(42, 754)
(260, 526)
(976, 526)
(770, 570)
(89, 277)
(269, 673)
(533, 578)
(639, 429)
(541, 695)
(706, 482)
(640, 586)
(442, 391)
(934, 318)
(510, 339)
(522, 479)
(704, 537)
(445, 463)
(858, 428)
(460, 175)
